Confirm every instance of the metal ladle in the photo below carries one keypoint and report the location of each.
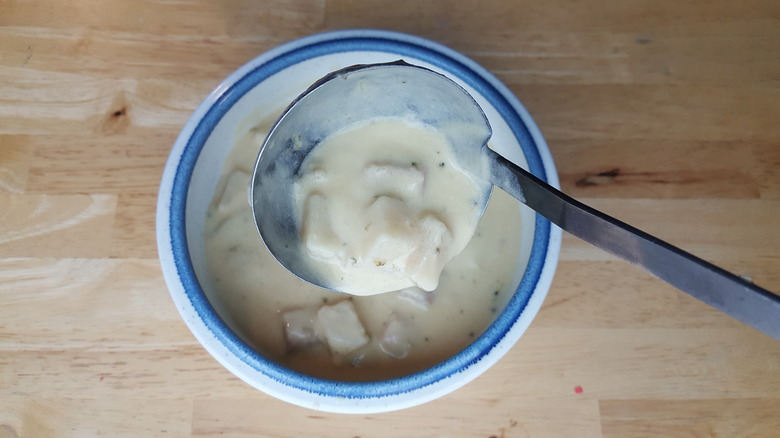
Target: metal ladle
(398, 89)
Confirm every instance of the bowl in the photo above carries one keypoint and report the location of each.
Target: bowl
(272, 80)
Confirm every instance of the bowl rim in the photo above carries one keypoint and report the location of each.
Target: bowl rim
(318, 393)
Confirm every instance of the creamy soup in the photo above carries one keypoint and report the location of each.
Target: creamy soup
(335, 335)
(383, 205)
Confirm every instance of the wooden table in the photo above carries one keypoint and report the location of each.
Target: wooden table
(664, 114)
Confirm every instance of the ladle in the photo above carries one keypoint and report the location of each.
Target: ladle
(399, 89)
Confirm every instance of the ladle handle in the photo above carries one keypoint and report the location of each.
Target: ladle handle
(741, 299)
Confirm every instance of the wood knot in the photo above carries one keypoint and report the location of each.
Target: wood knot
(117, 118)
(599, 178)
(120, 112)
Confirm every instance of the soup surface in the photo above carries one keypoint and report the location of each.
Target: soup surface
(384, 205)
(339, 336)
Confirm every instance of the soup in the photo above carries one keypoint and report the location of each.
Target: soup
(340, 336)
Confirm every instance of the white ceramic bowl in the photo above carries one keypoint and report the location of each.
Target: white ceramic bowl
(271, 81)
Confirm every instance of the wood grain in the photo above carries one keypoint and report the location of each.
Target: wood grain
(718, 417)
(518, 418)
(77, 225)
(663, 114)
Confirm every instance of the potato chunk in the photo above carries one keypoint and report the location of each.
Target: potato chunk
(340, 327)
(395, 338)
(417, 297)
(389, 234)
(424, 264)
(317, 232)
(401, 181)
(234, 193)
(300, 327)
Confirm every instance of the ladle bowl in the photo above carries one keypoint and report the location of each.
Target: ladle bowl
(341, 99)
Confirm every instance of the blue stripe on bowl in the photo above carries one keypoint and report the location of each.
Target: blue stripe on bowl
(320, 45)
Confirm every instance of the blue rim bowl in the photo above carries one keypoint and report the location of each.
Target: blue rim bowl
(185, 189)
